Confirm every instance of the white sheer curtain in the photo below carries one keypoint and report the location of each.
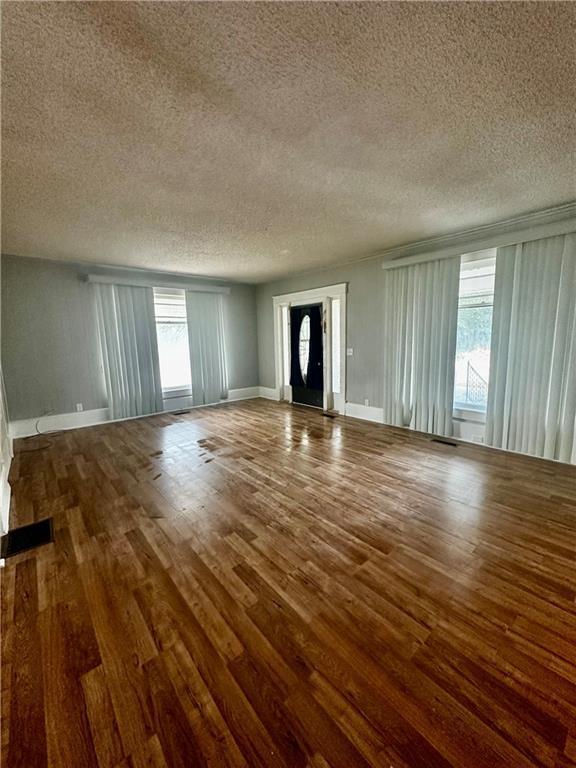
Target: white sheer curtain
(127, 330)
(421, 314)
(532, 390)
(207, 351)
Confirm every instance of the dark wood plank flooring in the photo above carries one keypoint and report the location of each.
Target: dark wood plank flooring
(256, 585)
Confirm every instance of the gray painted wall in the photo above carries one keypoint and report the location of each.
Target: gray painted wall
(364, 370)
(50, 351)
(241, 331)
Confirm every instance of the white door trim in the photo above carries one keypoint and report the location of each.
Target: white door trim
(322, 296)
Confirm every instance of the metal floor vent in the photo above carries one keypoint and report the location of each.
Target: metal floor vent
(26, 537)
(443, 441)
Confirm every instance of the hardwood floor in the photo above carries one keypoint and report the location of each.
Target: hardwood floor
(256, 585)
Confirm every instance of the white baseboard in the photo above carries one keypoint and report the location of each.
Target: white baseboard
(57, 421)
(61, 421)
(270, 393)
(247, 393)
(185, 403)
(365, 412)
(76, 420)
(468, 431)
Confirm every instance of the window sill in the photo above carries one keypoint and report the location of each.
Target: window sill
(469, 414)
(170, 394)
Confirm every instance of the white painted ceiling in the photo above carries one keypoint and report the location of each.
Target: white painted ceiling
(250, 140)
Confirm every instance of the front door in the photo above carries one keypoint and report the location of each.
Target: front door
(306, 358)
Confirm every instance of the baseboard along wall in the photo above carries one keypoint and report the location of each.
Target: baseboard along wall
(364, 412)
(76, 420)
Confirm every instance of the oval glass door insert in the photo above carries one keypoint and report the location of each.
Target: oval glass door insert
(304, 346)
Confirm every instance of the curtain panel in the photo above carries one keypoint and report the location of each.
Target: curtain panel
(207, 350)
(127, 330)
(532, 389)
(420, 324)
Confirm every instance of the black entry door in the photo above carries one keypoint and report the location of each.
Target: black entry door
(306, 359)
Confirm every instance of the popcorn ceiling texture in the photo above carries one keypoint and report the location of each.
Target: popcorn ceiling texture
(250, 140)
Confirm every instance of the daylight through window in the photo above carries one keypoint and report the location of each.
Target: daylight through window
(172, 335)
(476, 299)
(336, 346)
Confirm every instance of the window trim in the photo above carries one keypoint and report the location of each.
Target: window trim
(463, 411)
(169, 393)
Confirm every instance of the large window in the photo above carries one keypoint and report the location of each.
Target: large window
(474, 332)
(172, 334)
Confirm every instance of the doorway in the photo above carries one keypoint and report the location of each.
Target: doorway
(321, 338)
(306, 355)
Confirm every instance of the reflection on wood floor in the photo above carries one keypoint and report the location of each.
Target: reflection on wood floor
(255, 585)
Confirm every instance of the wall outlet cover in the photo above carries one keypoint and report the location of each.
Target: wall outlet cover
(366, 402)
(79, 407)
(349, 352)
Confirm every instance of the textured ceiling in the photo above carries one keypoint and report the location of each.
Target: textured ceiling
(249, 140)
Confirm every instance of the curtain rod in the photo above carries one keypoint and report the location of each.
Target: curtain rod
(147, 282)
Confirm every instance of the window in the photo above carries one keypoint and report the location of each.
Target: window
(304, 346)
(286, 345)
(336, 346)
(476, 300)
(172, 335)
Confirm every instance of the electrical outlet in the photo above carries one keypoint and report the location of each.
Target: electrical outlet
(366, 402)
(349, 352)
(79, 407)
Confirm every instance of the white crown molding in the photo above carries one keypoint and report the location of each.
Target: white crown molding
(532, 226)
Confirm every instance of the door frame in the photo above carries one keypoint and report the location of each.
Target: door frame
(324, 296)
